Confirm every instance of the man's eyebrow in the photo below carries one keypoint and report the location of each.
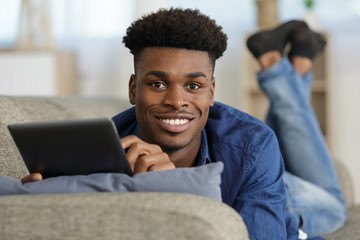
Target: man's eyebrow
(196, 75)
(160, 74)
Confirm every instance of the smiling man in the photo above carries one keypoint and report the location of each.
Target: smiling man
(177, 123)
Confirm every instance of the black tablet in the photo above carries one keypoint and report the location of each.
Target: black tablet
(74, 147)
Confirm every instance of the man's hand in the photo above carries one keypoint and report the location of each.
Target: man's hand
(33, 177)
(144, 157)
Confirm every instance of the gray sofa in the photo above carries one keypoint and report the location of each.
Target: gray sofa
(141, 215)
(135, 215)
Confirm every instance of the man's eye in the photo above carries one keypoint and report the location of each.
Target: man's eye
(158, 85)
(193, 86)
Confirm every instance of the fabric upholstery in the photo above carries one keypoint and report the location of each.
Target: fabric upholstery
(351, 231)
(346, 183)
(134, 216)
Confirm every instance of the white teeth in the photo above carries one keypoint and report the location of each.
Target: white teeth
(175, 121)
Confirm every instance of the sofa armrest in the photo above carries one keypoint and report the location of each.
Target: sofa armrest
(136, 215)
(345, 182)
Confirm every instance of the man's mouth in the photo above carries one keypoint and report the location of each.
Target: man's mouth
(175, 122)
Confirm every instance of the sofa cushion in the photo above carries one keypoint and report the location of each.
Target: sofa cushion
(203, 180)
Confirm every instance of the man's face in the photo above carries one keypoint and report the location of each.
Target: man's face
(173, 90)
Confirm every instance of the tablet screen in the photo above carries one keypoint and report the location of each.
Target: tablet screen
(72, 147)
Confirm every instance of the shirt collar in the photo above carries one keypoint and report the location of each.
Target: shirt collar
(137, 131)
(203, 156)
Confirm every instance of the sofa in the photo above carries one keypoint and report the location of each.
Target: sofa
(101, 215)
(109, 215)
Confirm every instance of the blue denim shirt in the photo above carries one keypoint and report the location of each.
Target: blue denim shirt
(252, 181)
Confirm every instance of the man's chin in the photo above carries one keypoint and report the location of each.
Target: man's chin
(170, 147)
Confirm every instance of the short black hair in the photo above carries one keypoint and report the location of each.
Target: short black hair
(178, 28)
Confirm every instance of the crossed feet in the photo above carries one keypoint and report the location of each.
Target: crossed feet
(268, 46)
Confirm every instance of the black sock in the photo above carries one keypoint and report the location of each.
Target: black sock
(274, 39)
(306, 43)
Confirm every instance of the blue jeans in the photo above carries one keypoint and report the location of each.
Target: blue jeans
(314, 196)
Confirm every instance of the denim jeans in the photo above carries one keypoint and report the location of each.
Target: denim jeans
(314, 196)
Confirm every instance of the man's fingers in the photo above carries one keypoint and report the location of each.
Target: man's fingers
(153, 162)
(129, 140)
(143, 156)
(163, 166)
(136, 150)
(34, 177)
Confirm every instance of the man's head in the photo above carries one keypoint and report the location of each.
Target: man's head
(173, 85)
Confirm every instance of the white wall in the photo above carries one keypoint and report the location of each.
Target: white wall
(346, 108)
(28, 73)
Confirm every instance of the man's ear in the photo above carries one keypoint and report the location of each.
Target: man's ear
(212, 92)
(132, 89)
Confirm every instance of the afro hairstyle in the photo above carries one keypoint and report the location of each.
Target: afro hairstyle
(178, 28)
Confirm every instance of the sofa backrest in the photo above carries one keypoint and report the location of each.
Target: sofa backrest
(36, 109)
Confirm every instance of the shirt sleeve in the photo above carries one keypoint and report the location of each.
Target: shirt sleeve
(261, 200)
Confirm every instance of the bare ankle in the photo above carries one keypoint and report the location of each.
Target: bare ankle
(302, 65)
(268, 59)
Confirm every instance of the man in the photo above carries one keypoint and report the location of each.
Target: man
(177, 123)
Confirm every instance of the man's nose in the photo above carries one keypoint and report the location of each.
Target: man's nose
(175, 97)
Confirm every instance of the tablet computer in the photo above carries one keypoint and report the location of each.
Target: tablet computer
(71, 147)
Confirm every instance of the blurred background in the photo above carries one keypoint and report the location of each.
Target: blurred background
(74, 47)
